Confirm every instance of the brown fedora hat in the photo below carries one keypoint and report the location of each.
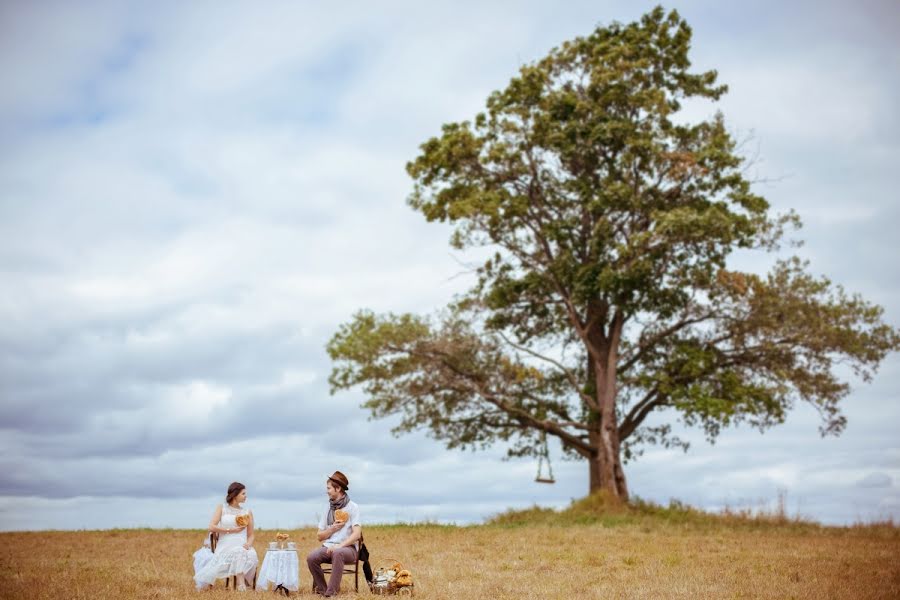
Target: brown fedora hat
(340, 480)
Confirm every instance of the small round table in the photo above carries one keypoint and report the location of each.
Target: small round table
(279, 568)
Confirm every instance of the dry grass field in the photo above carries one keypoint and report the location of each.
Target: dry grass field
(580, 553)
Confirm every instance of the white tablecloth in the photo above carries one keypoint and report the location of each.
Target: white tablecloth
(279, 567)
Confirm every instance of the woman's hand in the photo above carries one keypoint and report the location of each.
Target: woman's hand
(247, 546)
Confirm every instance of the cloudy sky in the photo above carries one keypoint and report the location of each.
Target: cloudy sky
(193, 195)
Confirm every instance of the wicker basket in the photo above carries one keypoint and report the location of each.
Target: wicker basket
(384, 583)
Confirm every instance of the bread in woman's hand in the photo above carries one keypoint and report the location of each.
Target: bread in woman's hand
(242, 520)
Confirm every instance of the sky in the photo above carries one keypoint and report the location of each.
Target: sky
(194, 196)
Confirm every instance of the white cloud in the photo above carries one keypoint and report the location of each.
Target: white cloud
(875, 480)
(193, 197)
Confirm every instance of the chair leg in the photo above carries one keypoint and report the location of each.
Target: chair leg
(327, 573)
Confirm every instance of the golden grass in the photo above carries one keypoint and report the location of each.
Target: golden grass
(643, 552)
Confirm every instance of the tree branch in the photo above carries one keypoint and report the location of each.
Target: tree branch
(638, 413)
(567, 372)
(643, 347)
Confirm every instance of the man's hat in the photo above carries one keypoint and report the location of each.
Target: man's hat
(340, 480)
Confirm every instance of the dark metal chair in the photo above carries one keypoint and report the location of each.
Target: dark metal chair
(348, 569)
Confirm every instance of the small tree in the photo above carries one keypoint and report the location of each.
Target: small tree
(609, 296)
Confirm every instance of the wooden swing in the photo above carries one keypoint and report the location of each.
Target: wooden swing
(544, 456)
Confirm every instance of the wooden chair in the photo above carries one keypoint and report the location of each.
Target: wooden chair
(348, 569)
(213, 541)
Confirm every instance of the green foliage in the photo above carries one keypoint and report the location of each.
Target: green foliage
(608, 295)
(600, 508)
(459, 385)
(579, 173)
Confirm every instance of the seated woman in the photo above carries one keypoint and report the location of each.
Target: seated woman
(234, 553)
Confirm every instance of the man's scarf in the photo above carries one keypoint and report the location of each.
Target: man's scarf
(333, 505)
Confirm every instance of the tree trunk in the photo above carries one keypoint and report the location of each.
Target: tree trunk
(619, 489)
(606, 471)
(605, 466)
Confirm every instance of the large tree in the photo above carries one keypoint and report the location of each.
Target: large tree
(608, 295)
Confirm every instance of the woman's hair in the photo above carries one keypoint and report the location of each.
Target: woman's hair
(233, 490)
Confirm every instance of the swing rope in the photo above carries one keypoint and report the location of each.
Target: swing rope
(544, 455)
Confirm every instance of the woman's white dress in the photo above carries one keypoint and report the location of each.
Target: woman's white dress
(230, 557)
(202, 556)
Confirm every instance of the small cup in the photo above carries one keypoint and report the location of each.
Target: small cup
(273, 545)
(291, 546)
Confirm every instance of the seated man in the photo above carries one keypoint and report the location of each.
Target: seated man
(338, 534)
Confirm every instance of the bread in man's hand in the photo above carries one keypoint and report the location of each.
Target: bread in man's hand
(341, 515)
